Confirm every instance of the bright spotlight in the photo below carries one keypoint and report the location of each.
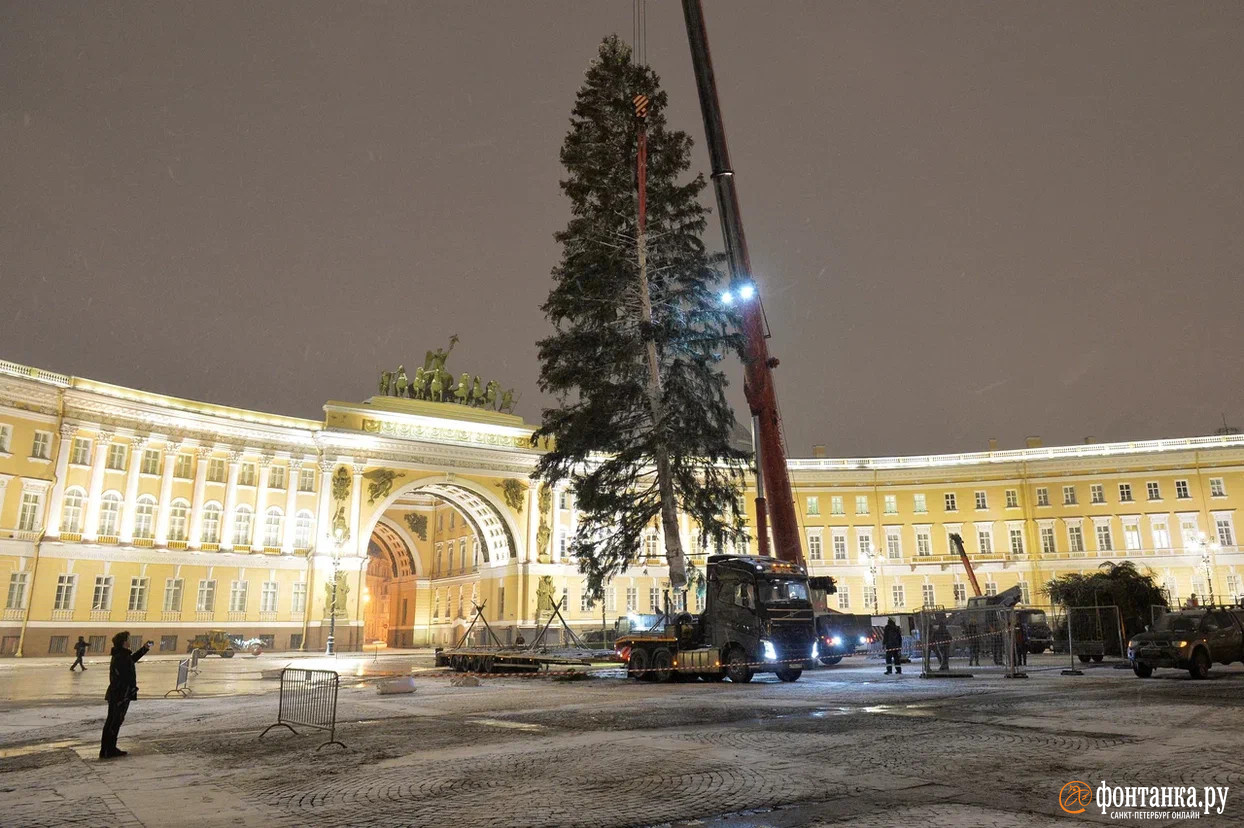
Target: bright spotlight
(727, 298)
(747, 292)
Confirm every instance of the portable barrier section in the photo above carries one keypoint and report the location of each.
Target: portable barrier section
(195, 655)
(308, 699)
(1090, 636)
(967, 642)
(183, 680)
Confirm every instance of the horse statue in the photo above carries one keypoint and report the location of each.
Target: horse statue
(400, 385)
(418, 386)
(437, 390)
(490, 395)
(385, 379)
(463, 392)
(508, 400)
(477, 394)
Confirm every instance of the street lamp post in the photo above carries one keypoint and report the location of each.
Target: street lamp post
(338, 538)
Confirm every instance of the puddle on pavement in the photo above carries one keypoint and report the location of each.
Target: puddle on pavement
(41, 747)
(914, 710)
(503, 723)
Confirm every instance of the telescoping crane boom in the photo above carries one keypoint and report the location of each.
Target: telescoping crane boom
(774, 502)
(957, 542)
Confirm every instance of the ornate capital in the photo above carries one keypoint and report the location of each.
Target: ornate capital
(326, 465)
(171, 447)
(105, 437)
(235, 457)
(68, 430)
(203, 452)
(295, 465)
(139, 443)
(265, 460)
(359, 468)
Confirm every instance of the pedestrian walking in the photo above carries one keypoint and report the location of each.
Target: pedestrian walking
(941, 644)
(80, 649)
(995, 641)
(892, 640)
(972, 631)
(1020, 657)
(122, 689)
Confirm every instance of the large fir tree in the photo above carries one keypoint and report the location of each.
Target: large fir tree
(610, 434)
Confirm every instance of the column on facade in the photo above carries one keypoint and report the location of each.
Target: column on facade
(168, 457)
(202, 453)
(231, 500)
(56, 501)
(323, 517)
(90, 522)
(289, 530)
(260, 525)
(356, 509)
(130, 504)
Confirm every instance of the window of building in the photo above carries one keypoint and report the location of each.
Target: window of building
(172, 594)
(453, 518)
(1131, 536)
(1233, 588)
(306, 480)
(144, 518)
(205, 600)
(101, 596)
(924, 543)
(1069, 495)
(1181, 490)
(1075, 538)
(273, 521)
(242, 526)
(814, 546)
(237, 596)
(109, 514)
(1097, 493)
(961, 594)
(58, 644)
(926, 595)
(1161, 535)
(276, 477)
(116, 457)
(71, 512)
(870, 597)
(861, 504)
(1043, 496)
(268, 596)
(1226, 532)
(835, 505)
(918, 503)
(181, 467)
(632, 599)
(562, 541)
(1017, 541)
(150, 463)
(865, 542)
(654, 599)
(1048, 546)
(893, 544)
(178, 515)
(897, 596)
(844, 597)
(1189, 531)
(891, 504)
(1152, 491)
(1216, 487)
(991, 588)
(982, 500)
(211, 523)
(1023, 592)
(437, 566)
(17, 591)
(1012, 499)
(1125, 492)
(41, 448)
(6, 438)
(302, 530)
(840, 545)
(650, 543)
(246, 474)
(298, 598)
(585, 601)
(984, 540)
(168, 643)
(138, 594)
(80, 452)
(611, 599)
(216, 470)
(814, 505)
(951, 504)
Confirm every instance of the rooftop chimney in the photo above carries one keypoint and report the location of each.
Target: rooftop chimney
(1033, 442)
(818, 450)
(993, 443)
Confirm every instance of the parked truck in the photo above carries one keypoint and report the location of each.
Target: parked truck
(757, 618)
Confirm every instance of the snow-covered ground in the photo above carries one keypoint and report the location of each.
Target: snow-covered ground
(843, 746)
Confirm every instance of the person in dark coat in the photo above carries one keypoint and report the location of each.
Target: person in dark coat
(1021, 646)
(892, 641)
(80, 649)
(972, 631)
(941, 644)
(122, 689)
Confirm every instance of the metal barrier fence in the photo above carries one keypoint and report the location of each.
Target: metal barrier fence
(1090, 636)
(183, 679)
(961, 643)
(195, 655)
(308, 699)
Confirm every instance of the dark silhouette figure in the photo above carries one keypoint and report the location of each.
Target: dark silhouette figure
(892, 641)
(122, 689)
(80, 649)
(1021, 646)
(972, 631)
(941, 644)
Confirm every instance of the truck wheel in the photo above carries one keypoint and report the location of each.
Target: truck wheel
(1200, 665)
(1098, 658)
(830, 661)
(789, 674)
(662, 665)
(227, 654)
(1083, 659)
(1142, 670)
(737, 669)
(637, 665)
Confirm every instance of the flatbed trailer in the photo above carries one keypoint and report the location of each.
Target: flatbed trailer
(517, 659)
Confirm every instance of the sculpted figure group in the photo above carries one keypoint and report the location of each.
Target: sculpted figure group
(432, 382)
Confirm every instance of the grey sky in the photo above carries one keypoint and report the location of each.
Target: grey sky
(968, 219)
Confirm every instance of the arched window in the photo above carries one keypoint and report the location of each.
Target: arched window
(144, 518)
(436, 603)
(211, 522)
(242, 526)
(272, 524)
(71, 515)
(177, 519)
(302, 529)
(109, 514)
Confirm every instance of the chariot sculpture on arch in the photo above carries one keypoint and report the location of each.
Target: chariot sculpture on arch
(434, 383)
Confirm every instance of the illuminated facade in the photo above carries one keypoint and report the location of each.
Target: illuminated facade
(125, 509)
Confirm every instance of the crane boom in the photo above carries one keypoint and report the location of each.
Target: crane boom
(774, 499)
(957, 541)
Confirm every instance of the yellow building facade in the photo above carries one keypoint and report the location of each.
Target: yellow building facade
(124, 509)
